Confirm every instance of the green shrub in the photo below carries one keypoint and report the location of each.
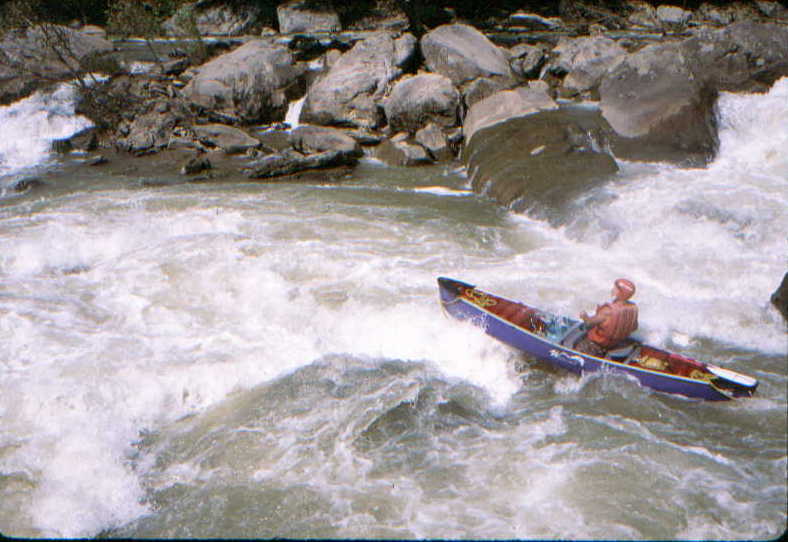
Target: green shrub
(127, 18)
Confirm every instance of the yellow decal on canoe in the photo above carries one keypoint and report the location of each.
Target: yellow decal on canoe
(479, 298)
(700, 375)
(650, 362)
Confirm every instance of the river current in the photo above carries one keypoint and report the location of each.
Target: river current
(270, 359)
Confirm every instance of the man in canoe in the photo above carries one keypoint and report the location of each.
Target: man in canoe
(612, 323)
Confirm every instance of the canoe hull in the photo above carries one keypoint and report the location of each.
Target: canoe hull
(536, 333)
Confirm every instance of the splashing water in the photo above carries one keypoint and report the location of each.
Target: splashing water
(269, 359)
(29, 126)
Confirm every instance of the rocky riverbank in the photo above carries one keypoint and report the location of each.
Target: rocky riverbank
(651, 74)
(537, 107)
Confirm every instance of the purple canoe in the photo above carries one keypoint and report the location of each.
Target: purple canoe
(550, 338)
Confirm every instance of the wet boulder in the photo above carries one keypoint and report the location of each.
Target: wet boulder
(642, 14)
(229, 139)
(526, 153)
(405, 50)
(503, 106)
(780, 298)
(773, 9)
(585, 61)
(673, 16)
(399, 151)
(196, 164)
(526, 60)
(462, 53)
(435, 141)
(247, 85)
(83, 141)
(659, 109)
(42, 54)
(425, 98)
(309, 139)
(715, 15)
(744, 56)
(479, 89)
(660, 100)
(98, 160)
(349, 93)
(148, 132)
(290, 162)
(26, 184)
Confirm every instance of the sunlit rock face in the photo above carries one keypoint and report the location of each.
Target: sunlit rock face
(246, 85)
(523, 151)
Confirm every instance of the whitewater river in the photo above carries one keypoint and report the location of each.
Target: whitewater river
(261, 360)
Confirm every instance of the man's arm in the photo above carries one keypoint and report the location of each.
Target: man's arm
(600, 316)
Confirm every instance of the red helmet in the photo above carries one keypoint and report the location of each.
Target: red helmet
(626, 287)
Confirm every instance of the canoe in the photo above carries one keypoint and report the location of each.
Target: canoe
(550, 338)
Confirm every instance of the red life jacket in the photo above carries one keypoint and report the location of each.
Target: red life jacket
(622, 319)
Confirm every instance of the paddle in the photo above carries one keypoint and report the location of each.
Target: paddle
(732, 376)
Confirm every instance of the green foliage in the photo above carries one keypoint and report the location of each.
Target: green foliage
(268, 15)
(57, 11)
(18, 14)
(134, 18)
(186, 26)
(100, 63)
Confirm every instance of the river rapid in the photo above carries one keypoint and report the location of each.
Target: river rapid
(270, 359)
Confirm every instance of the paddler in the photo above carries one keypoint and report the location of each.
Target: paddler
(612, 323)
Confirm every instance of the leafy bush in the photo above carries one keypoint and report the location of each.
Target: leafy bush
(57, 11)
(186, 25)
(135, 18)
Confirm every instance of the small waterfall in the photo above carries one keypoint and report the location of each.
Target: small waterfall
(30, 125)
(294, 113)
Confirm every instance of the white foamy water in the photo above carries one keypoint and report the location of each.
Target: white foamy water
(293, 115)
(28, 127)
(282, 348)
(689, 237)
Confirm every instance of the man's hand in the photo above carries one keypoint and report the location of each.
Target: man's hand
(600, 316)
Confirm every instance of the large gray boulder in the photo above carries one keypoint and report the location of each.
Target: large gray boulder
(416, 101)
(585, 61)
(400, 152)
(43, 54)
(660, 110)
(642, 14)
(462, 53)
(744, 56)
(660, 100)
(227, 138)
(309, 139)
(526, 153)
(148, 132)
(348, 94)
(506, 105)
(526, 60)
(289, 162)
(673, 16)
(432, 138)
(306, 17)
(247, 85)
